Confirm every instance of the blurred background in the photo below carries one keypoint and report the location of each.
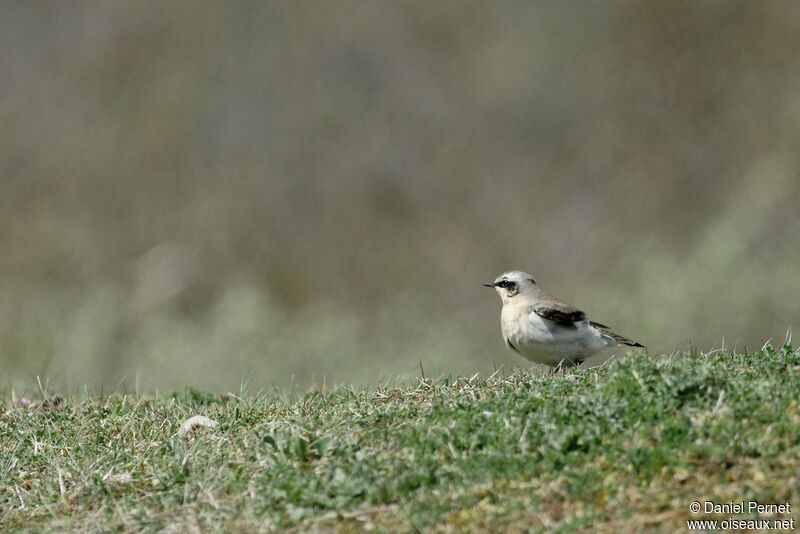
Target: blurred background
(287, 193)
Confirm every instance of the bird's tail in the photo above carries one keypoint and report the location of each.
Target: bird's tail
(618, 339)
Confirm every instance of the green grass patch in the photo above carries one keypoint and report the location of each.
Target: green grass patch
(627, 446)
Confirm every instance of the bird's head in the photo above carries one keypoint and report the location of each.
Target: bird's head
(509, 285)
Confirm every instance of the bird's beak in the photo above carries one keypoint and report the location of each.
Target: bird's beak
(489, 285)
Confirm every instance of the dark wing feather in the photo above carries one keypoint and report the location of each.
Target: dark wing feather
(556, 312)
(618, 338)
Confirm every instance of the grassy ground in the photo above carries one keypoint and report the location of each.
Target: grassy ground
(625, 447)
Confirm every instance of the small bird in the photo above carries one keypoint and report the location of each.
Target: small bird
(544, 329)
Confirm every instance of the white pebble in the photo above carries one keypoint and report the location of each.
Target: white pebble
(195, 422)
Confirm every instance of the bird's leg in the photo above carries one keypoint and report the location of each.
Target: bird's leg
(564, 363)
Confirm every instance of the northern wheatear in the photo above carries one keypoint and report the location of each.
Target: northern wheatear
(544, 329)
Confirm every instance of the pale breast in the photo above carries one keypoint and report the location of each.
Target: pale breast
(541, 340)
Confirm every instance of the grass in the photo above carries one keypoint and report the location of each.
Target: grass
(626, 447)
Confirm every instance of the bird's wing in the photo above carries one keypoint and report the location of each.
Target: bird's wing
(558, 312)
